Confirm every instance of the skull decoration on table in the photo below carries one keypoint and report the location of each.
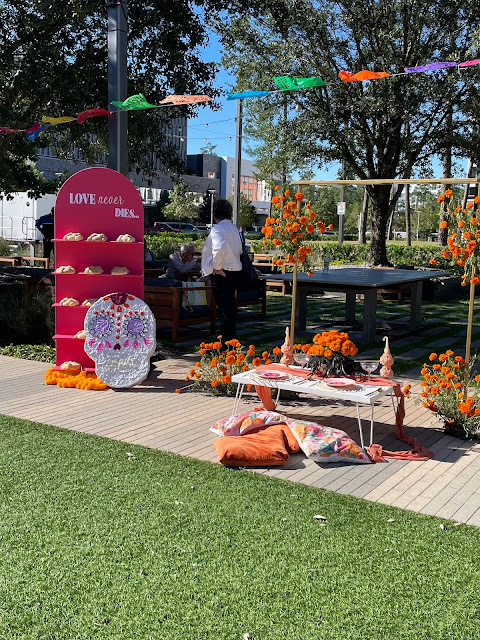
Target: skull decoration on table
(120, 338)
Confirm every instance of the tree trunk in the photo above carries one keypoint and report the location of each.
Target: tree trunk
(408, 217)
(362, 225)
(380, 199)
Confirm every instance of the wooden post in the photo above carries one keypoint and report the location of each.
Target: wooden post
(294, 303)
(294, 287)
(469, 325)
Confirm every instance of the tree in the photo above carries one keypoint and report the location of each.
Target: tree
(208, 149)
(387, 128)
(246, 215)
(183, 205)
(53, 62)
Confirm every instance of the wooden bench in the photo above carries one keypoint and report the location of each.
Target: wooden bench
(13, 261)
(45, 262)
(166, 305)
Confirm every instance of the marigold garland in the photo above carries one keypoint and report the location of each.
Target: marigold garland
(81, 380)
(290, 227)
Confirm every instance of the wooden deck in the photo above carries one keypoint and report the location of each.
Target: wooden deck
(153, 415)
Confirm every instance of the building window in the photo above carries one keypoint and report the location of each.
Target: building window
(249, 193)
(211, 174)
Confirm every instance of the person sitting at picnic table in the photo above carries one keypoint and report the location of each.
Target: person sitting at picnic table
(183, 261)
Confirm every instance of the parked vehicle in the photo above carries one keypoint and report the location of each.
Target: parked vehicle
(163, 226)
(178, 227)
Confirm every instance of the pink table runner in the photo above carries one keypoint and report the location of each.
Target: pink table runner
(375, 451)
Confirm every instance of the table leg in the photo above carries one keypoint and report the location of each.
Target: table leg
(350, 299)
(360, 427)
(416, 304)
(371, 425)
(369, 316)
(238, 397)
(301, 309)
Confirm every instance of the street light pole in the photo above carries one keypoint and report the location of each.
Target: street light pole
(211, 192)
(238, 163)
(117, 84)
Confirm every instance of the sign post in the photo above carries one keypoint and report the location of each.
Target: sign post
(341, 206)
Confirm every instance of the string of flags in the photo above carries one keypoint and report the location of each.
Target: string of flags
(133, 103)
(284, 83)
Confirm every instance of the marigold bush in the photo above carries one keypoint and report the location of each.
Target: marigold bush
(451, 392)
(216, 366)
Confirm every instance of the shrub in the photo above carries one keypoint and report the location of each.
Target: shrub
(4, 247)
(161, 244)
(26, 318)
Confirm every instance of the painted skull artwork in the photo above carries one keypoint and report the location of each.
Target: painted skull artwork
(120, 338)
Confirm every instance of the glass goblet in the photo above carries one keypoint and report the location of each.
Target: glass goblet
(369, 366)
(301, 358)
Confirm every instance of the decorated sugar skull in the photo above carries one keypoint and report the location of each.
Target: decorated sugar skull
(120, 338)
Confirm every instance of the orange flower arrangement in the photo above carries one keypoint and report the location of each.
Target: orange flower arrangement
(450, 393)
(82, 380)
(290, 226)
(331, 351)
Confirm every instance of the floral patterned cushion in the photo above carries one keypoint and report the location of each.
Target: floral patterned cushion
(245, 422)
(325, 444)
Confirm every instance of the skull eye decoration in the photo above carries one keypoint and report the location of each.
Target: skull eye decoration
(135, 327)
(100, 326)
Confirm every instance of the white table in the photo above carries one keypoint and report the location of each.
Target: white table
(365, 395)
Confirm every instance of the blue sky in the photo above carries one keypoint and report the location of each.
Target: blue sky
(218, 127)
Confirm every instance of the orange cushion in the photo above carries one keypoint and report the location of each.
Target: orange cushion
(269, 447)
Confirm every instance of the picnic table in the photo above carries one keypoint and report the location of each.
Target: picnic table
(353, 282)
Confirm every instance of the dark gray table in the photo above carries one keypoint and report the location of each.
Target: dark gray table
(356, 281)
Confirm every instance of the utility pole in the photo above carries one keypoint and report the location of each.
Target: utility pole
(117, 84)
(341, 208)
(238, 163)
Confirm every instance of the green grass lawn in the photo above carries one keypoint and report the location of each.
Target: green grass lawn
(101, 539)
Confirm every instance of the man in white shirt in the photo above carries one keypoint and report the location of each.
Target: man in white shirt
(221, 261)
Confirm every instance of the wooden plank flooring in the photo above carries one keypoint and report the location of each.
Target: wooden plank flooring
(153, 415)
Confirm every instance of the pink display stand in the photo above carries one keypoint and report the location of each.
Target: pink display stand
(95, 200)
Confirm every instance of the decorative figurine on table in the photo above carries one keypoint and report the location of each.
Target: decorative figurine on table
(287, 350)
(387, 361)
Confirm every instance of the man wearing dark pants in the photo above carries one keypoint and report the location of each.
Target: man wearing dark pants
(221, 261)
(46, 228)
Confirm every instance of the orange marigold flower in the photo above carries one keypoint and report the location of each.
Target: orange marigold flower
(230, 359)
(197, 364)
(245, 367)
(256, 362)
(198, 376)
(276, 187)
(302, 220)
(440, 198)
(277, 351)
(461, 224)
(177, 391)
(226, 379)
(287, 192)
(436, 367)
(443, 224)
(470, 205)
(442, 357)
(406, 390)
(432, 261)
(432, 356)
(448, 193)
(202, 351)
(474, 220)
(309, 228)
(435, 390)
(330, 226)
(299, 196)
(215, 382)
(467, 235)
